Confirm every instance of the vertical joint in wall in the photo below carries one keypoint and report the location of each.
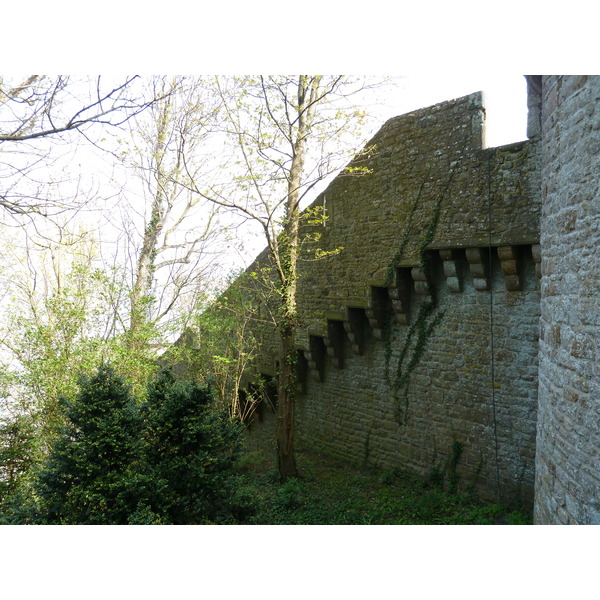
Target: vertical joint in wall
(534, 105)
(536, 251)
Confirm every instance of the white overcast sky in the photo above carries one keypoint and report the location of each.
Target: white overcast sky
(505, 99)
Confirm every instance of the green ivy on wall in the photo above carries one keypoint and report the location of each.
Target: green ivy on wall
(427, 319)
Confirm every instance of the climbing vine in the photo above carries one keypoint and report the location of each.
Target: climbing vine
(406, 237)
(427, 319)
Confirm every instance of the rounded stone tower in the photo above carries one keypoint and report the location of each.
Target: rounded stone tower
(567, 486)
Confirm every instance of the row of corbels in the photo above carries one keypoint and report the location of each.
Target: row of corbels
(409, 281)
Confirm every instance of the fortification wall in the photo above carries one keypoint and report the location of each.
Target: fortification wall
(431, 184)
(453, 395)
(568, 444)
(419, 337)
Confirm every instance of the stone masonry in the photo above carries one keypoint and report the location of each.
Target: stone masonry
(420, 334)
(568, 440)
(419, 337)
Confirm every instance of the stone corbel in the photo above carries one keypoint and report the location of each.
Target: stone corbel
(376, 311)
(353, 324)
(478, 266)
(509, 261)
(421, 281)
(452, 270)
(400, 295)
(334, 343)
(315, 358)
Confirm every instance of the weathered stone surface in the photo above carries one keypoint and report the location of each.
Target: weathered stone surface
(447, 319)
(453, 393)
(568, 439)
(420, 357)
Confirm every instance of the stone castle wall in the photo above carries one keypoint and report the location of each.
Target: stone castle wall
(419, 336)
(459, 322)
(453, 395)
(568, 442)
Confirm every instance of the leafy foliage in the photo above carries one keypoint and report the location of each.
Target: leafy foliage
(117, 461)
(289, 135)
(17, 454)
(190, 450)
(334, 493)
(225, 345)
(92, 473)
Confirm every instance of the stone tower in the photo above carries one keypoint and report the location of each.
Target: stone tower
(567, 484)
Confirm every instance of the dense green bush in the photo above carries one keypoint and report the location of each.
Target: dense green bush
(93, 473)
(119, 461)
(190, 450)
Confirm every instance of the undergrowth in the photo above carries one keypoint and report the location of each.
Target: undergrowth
(330, 493)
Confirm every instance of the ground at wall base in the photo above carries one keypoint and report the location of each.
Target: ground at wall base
(335, 493)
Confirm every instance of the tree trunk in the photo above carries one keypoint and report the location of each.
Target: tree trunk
(145, 272)
(288, 272)
(285, 408)
(286, 389)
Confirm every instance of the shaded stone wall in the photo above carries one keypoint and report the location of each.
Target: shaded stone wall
(437, 271)
(454, 394)
(568, 444)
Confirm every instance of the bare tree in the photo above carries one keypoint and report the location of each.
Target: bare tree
(38, 114)
(177, 249)
(55, 313)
